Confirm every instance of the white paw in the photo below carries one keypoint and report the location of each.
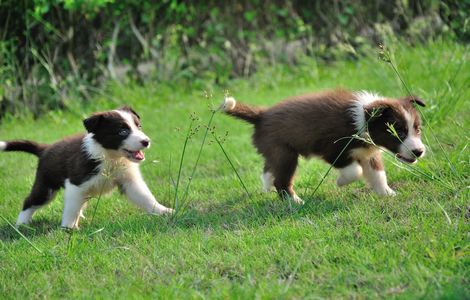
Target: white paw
(298, 200)
(342, 181)
(70, 226)
(162, 210)
(391, 192)
(18, 225)
(387, 192)
(25, 216)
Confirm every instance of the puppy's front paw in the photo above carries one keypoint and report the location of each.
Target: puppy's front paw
(341, 181)
(298, 200)
(169, 211)
(162, 210)
(159, 209)
(391, 192)
(69, 227)
(387, 191)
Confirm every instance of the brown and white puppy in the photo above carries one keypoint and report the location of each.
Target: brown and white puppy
(322, 124)
(89, 165)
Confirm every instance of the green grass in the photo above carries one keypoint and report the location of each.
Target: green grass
(343, 243)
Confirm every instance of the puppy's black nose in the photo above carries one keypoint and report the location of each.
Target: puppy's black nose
(418, 152)
(145, 143)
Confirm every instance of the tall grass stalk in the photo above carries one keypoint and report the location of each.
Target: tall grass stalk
(416, 171)
(70, 240)
(22, 235)
(201, 147)
(96, 206)
(183, 152)
(230, 162)
(109, 170)
(183, 203)
(330, 167)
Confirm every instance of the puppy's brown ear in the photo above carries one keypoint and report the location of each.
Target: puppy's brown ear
(92, 123)
(415, 100)
(129, 109)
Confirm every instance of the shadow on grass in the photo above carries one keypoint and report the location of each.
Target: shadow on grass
(233, 214)
(38, 227)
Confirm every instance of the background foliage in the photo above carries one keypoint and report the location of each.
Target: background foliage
(52, 51)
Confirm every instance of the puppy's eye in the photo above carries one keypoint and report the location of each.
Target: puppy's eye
(123, 132)
(418, 130)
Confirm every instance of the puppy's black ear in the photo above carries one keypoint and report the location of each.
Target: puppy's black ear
(376, 111)
(129, 109)
(414, 100)
(92, 123)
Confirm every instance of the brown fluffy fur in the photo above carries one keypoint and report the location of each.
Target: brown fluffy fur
(320, 124)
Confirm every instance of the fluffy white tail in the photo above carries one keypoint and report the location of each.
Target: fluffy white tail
(242, 111)
(228, 104)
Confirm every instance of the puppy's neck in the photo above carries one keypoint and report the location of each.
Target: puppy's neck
(93, 148)
(97, 152)
(363, 99)
(113, 164)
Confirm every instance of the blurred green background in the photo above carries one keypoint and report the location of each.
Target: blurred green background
(54, 53)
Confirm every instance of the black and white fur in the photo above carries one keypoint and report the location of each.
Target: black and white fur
(90, 164)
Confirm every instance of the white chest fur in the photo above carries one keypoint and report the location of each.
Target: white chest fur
(110, 174)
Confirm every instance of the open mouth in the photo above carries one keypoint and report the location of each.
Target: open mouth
(135, 155)
(406, 159)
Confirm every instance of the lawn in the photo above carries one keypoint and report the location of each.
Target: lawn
(223, 243)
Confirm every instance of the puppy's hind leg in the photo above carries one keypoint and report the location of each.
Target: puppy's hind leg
(39, 196)
(82, 210)
(267, 179)
(283, 163)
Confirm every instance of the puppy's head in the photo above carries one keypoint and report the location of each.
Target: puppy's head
(396, 125)
(119, 130)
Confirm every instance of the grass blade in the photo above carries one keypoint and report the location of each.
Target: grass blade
(231, 164)
(22, 235)
(188, 134)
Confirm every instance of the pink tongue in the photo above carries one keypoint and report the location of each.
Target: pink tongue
(139, 155)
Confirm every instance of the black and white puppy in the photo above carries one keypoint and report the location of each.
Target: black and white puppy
(89, 165)
(323, 124)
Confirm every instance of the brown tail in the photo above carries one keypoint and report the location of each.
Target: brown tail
(24, 146)
(245, 112)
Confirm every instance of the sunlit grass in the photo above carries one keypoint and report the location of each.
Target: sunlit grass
(344, 242)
